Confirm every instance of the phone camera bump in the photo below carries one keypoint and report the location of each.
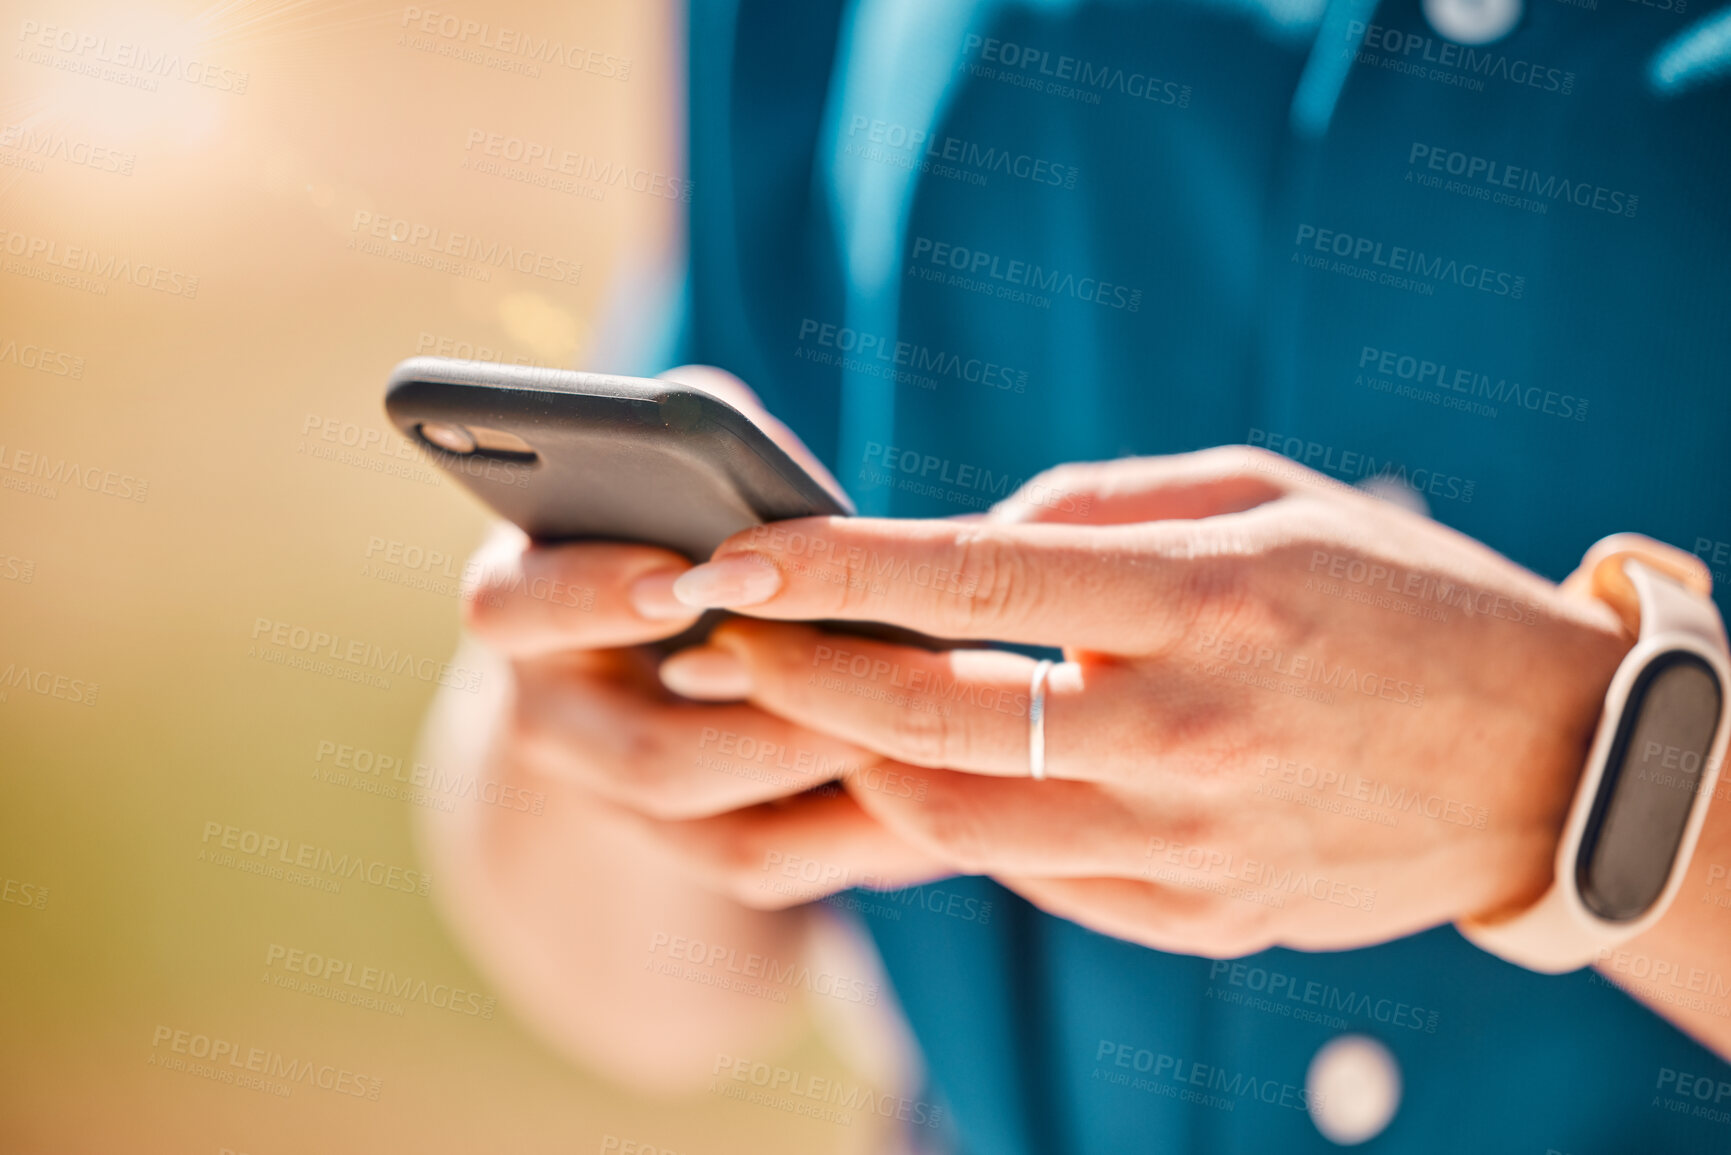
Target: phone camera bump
(450, 438)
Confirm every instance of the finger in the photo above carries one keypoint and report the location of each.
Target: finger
(525, 600)
(1174, 919)
(1184, 486)
(666, 758)
(1001, 825)
(962, 709)
(795, 851)
(1117, 589)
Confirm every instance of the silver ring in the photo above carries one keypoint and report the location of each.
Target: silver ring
(1037, 720)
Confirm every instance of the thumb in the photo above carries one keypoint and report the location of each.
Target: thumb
(1182, 487)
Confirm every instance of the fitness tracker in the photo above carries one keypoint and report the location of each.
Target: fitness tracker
(1649, 779)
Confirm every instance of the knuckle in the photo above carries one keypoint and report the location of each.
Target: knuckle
(645, 778)
(992, 581)
(739, 870)
(1070, 477)
(1244, 929)
(1220, 771)
(653, 799)
(753, 895)
(1223, 930)
(1197, 827)
(1198, 923)
(922, 737)
(850, 587)
(1217, 584)
(630, 762)
(1240, 458)
(529, 732)
(1187, 917)
(958, 830)
(568, 615)
(782, 653)
(483, 600)
(1218, 595)
(1215, 925)
(1246, 460)
(1205, 736)
(521, 725)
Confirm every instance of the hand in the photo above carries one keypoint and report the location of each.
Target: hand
(721, 790)
(1291, 713)
(613, 816)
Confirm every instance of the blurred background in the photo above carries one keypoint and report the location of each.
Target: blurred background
(219, 229)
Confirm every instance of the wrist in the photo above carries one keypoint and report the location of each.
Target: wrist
(1641, 801)
(1584, 646)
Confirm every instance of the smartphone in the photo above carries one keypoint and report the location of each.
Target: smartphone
(571, 456)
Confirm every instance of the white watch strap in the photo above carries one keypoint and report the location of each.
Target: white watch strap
(1668, 608)
(1666, 598)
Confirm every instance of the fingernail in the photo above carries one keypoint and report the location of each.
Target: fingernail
(709, 673)
(652, 597)
(743, 579)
